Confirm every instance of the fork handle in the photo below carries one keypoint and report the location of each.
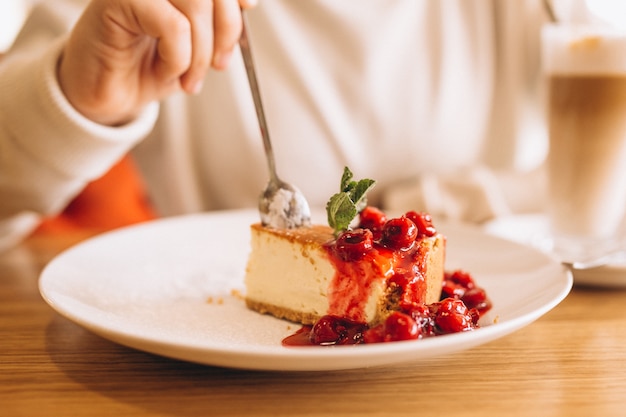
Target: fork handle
(244, 46)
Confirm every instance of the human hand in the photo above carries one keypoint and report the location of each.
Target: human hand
(123, 54)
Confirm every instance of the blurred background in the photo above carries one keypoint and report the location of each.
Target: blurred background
(12, 15)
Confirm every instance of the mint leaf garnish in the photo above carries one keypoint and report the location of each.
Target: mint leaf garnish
(343, 207)
(341, 210)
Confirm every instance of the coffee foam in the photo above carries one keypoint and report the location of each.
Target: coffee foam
(583, 50)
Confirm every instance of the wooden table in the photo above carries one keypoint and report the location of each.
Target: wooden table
(571, 362)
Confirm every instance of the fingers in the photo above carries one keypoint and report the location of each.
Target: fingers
(227, 26)
(162, 21)
(122, 54)
(215, 27)
(190, 35)
(198, 14)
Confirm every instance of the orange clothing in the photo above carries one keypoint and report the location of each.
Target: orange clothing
(116, 199)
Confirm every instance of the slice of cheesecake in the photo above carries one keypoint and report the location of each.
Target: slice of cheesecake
(361, 275)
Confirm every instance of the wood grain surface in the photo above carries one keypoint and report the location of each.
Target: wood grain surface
(571, 362)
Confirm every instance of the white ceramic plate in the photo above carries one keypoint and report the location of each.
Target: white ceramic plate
(532, 229)
(166, 287)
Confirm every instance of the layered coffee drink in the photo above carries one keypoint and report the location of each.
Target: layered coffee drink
(586, 74)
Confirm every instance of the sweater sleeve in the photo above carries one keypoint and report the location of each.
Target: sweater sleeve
(49, 151)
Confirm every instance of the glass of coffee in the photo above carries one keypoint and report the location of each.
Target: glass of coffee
(585, 70)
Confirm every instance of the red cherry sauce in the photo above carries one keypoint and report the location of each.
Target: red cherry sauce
(461, 286)
(391, 251)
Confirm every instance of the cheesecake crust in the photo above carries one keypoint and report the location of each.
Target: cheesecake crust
(282, 312)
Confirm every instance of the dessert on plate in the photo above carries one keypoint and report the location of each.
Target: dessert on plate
(363, 278)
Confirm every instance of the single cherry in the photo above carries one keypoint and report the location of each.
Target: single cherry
(476, 298)
(400, 326)
(352, 245)
(451, 289)
(424, 223)
(399, 233)
(452, 316)
(461, 278)
(373, 219)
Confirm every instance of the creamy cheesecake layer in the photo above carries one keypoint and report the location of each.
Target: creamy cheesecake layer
(289, 272)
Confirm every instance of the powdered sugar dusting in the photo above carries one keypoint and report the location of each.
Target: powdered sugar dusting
(287, 209)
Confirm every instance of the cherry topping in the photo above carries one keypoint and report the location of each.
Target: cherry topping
(422, 316)
(476, 298)
(461, 286)
(399, 326)
(363, 254)
(399, 233)
(460, 278)
(408, 286)
(333, 330)
(375, 334)
(424, 223)
(373, 219)
(352, 245)
(452, 316)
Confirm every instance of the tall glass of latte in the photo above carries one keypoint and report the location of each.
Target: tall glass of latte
(585, 68)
